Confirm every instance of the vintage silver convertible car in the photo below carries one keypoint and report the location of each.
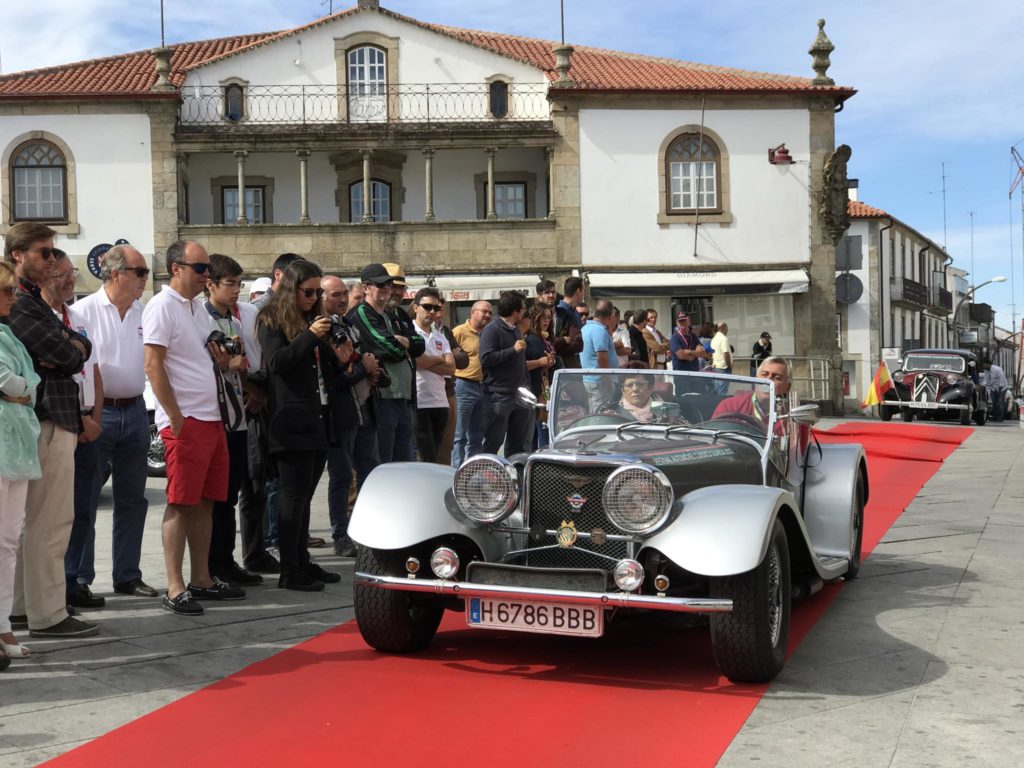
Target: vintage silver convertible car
(661, 491)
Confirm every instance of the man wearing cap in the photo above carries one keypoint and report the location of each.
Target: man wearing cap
(259, 287)
(686, 351)
(394, 342)
(762, 351)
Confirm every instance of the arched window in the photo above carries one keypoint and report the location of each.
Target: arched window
(499, 98)
(234, 102)
(367, 84)
(693, 173)
(380, 204)
(39, 182)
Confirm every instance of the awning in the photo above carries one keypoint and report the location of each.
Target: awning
(475, 287)
(697, 283)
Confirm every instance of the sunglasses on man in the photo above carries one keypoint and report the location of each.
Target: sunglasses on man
(46, 252)
(140, 271)
(431, 307)
(199, 267)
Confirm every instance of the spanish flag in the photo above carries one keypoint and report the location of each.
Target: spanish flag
(879, 386)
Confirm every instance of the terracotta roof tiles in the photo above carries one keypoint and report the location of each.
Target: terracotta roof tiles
(859, 210)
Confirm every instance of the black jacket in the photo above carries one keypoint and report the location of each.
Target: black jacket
(504, 368)
(637, 345)
(297, 421)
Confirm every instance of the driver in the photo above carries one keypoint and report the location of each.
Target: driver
(755, 404)
(637, 397)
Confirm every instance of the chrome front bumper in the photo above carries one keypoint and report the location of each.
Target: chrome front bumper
(601, 600)
(927, 406)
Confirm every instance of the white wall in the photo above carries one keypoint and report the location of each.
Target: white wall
(114, 176)
(619, 169)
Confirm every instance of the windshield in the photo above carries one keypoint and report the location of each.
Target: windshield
(953, 363)
(615, 397)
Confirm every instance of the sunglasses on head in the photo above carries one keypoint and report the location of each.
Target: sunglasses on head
(199, 267)
(431, 307)
(309, 293)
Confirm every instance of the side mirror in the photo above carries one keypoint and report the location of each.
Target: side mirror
(526, 398)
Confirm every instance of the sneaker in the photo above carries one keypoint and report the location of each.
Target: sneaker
(136, 587)
(219, 590)
(317, 573)
(344, 547)
(235, 574)
(18, 622)
(183, 604)
(84, 598)
(264, 563)
(70, 627)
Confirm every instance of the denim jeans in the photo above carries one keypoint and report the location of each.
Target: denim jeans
(469, 420)
(124, 443)
(394, 430)
(271, 513)
(356, 449)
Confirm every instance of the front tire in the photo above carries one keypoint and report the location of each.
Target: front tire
(749, 644)
(965, 416)
(980, 417)
(156, 459)
(391, 620)
(884, 412)
(908, 415)
(856, 530)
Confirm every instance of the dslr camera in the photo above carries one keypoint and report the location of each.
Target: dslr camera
(338, 333)
(231, 344)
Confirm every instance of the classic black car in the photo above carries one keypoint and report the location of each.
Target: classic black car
(662, 491)
(937, 384)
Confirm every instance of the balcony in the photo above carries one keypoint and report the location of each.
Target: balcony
(418, 106)
(981, 313)
(908, 292)
(940, 300)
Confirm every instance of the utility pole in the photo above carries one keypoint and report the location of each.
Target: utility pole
(944, 208)
(162, 44)
(971, 213)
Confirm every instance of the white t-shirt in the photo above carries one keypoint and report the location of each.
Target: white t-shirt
(719, 348)
(429, 385)
(116, 343)
(247, 314)
(231, 380)
(621, 336)
(169, 321)
(85, 378)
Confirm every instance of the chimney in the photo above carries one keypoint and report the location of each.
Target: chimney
(852, 188)
(162, 65)
(563, 62)
(369, 5)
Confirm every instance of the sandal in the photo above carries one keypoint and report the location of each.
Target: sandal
(15, 651)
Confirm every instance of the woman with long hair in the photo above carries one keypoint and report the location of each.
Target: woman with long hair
(540, 357)
(294, 335)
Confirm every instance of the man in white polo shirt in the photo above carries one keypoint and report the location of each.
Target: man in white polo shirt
(180, 370)
(114, 317)
(432, 366)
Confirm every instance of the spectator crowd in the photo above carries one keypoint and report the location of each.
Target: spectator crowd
(254, 401)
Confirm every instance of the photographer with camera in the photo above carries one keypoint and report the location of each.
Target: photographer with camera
(221, 326)
(355, 444)
(302, 364)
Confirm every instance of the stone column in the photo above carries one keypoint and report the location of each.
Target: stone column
(428, 168)
(240, 156)
(491, 151)
(550, 151)
(179, 162)
(303, 155)
(367, 188)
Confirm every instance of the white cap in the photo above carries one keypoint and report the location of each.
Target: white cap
(259, 285)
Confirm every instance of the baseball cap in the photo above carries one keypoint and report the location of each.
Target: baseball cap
(682, 316)
(765, 335)
(376, 274)
(396, 272)
(260, 285)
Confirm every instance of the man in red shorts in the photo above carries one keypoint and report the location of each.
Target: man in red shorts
(756, 404)
(179, 364)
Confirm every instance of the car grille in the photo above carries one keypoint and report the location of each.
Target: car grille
(479, 572)
(549, 490)
(926, 388)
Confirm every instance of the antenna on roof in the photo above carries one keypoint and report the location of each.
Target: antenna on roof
(562, 7)
(162, 43)
(330, 6)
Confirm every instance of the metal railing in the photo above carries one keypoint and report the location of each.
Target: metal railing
(329, 104)
(908, 291)
(981, 313)
(940, 299)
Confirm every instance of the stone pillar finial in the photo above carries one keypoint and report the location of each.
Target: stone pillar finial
(369, 5)
(162, 65)
(563, 62)
(820, 50)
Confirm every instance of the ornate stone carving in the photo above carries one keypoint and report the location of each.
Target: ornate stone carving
(162, 65)
(835, 195)
(820, 50)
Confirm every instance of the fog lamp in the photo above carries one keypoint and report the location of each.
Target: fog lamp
(412, 566)
(661, 582)
(628, 575)
(444, 563)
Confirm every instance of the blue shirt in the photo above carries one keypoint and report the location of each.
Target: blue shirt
(596, 339)
(689, 342)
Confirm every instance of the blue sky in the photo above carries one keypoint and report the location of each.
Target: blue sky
(938, 81)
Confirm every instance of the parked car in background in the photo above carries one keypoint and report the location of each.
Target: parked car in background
(656, 495)
(937, 384)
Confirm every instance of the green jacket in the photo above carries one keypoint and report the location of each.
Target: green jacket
(19, 427)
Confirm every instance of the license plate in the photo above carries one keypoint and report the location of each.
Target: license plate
(529, 616)
(925, 404)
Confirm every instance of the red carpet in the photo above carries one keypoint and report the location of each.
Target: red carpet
(485, 698)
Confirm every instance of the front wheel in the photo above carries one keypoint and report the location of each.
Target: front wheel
(980, 417)
(156, 460)
(908, 415)
(884, 412)
(856, 530)
(965, 415)
(392, 620)
(749, 643)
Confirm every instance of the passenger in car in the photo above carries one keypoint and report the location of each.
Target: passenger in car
(639, 402)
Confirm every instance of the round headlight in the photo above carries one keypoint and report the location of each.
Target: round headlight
(952, 378)
(444, 563)
(629, 575)
(898, 377)
(637, 498)
(486, 488)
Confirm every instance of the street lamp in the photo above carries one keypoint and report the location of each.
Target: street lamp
(970, 292)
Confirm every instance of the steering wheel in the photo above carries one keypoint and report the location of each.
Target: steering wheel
(739, 418)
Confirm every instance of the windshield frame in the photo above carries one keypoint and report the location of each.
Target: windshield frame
(935, 356)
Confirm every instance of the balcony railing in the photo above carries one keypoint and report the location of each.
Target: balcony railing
(981, 313)
(907, 291)
(940, 300)
(259, 105)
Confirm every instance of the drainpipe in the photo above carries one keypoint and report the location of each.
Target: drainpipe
(924, 282)
(881, 271)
